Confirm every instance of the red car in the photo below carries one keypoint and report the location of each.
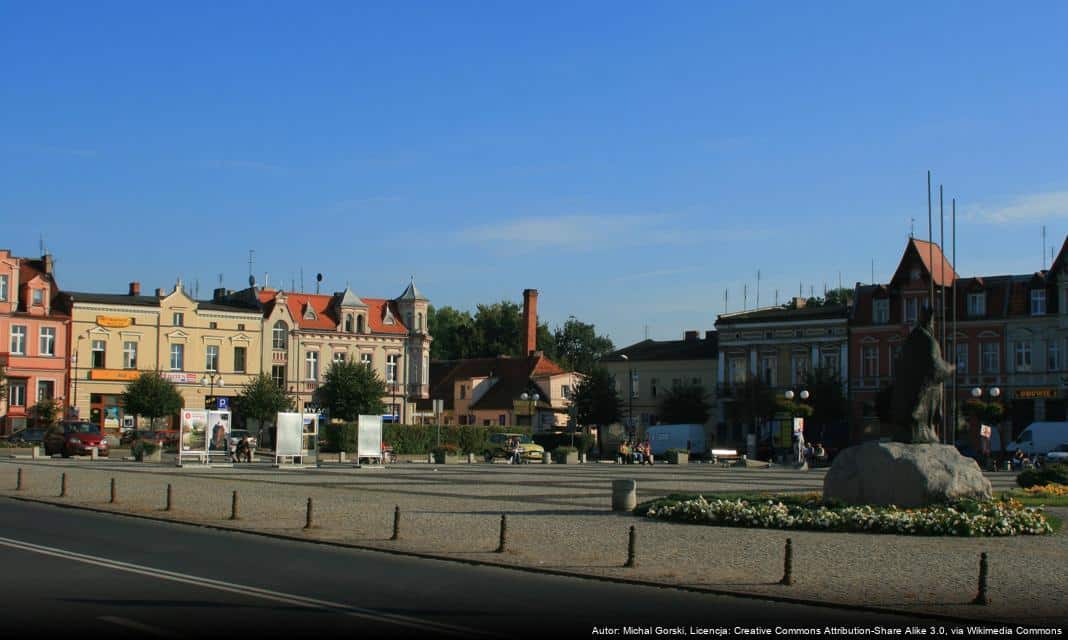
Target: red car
(75, 439)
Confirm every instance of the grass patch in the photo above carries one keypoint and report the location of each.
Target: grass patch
(809, 511)
(1036, 499)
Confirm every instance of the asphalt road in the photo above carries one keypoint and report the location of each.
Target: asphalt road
(67, 570)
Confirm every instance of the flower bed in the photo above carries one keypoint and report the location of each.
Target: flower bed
(1047, 490)
(810, 512)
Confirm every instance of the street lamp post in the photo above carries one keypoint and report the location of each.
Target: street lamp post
(632, 432)
(531, 399)
(72, 404)
(977, 393)
(802, 395)
(208, 380)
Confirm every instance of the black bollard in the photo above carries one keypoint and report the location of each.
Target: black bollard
(18, 480)
(63, 486)
(112, 500)
(504, 533)
(233, 507)
(983, 597)
(308, 515)
(788, 564)
(396, 523)
(630, 549)
(169, 502)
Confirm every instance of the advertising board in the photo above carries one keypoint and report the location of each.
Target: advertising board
(369, 437)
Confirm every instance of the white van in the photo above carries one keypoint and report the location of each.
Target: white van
(1040, 438)
(676, 436)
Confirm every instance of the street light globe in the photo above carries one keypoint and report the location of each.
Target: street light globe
(535, 397)
(220, 382)
(976, 392)
(204, 380)
(789, 394)
(804, 394)
(524, 396)
(995, 392)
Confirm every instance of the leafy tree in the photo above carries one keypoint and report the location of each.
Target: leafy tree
(152, 396)
(833, 296)
(3, 383)
(755, 402)
(597, 402)
(578, 346)
(453, 331)
(45, 412)
(351, 389)
(829, 404)
(499, 328)
(685, 404)
(262, 399)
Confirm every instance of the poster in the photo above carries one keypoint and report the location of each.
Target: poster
(194, 426)
(219, 433)
(288, 438)
(369, 437)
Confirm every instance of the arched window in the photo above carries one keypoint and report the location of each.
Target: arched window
(419, 321)
(348, 323)
(280, 335)
(360, 326)
(408, 320)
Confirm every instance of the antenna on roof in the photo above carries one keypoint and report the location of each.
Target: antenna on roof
(251, 259)
(873, 270)
(318, 280)
(302, 278)
(221, 279)
(776, 297)
(41, 242)
(196, 288)
(758, 290)
(646, 332)
(725, 300)
(1043, 247)
(912, 227)
(745, 297)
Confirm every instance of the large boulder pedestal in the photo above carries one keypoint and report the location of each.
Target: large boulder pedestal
(906, 475)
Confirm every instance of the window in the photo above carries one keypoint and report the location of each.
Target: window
(213, 325)
(18, 340)
(830, 360)
(3, 288)
(47, 341)
(278, 374)
(391, 368)
(365, 359)
(279, 335)
(240, 327)
(798, 369)
(178, 319)
(871, 361)
(962, 359)
(912, 306)
(1038, 302)
(239, 359)
(652, 387)
(991, 358)
(565, 391)
(99, 354)
(463, 391)
(976, 304)
(634, 384)
(502, 420)
(1053, 356)
(1023, 356)
(46, 390)
(177, 357)
(348, 323)
(360, 327)
(737, 370)
(768, 364)
(16, 393)
(129, 355)
(895, 354)
(881, 311)
(311, 365)
(211, 362)
(419, 322)
(339, 356)
(38, 297)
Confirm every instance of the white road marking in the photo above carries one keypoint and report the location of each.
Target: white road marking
(245, 590)
(138, 626)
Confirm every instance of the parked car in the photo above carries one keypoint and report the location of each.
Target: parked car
(235, 437)
(30, 437)
(75, 438)
(498, 447)
(1060, 454)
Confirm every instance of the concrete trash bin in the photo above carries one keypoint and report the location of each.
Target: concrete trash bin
(624, 495)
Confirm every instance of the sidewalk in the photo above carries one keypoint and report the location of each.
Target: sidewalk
(559, 519)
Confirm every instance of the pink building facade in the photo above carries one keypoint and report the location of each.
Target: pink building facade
(34, 344)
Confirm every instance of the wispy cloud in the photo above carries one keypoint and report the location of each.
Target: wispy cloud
(577, 232)
(1036, 206)
(50, 150)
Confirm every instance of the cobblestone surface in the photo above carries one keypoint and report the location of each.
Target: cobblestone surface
(559, 518)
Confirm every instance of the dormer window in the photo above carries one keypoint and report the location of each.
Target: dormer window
(914, 273)
(361, 324)
(348, 324)
(880, 311)
(1038, 302)
(309, 313)
(977, 304)
(3, 288)
(388, 318)
(38, 297)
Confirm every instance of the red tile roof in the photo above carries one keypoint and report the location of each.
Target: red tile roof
(325, 312)
(942, 271)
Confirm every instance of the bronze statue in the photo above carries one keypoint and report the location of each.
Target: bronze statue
(916, 407)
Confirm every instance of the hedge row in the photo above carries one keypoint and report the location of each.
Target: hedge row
(415, 439)
(553, 441)
(1050, 473)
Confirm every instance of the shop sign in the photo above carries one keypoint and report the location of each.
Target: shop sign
(113, 322)
(178, 377)
(116, 375)
(1031, 394)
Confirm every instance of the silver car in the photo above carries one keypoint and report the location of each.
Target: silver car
(1059, 453)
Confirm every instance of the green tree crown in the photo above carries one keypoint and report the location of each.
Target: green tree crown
(262, 399)
(685, 404)
(152, 396)
(351, 389)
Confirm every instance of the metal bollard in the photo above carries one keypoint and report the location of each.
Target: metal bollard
(112, 500)
(430, 458)
(396, 523)
(35, 453)
(233, 507)
(582, 458)
(504, 534)
(308, 515)
(624, 495)
(631, 562)
(18, 480)
(983, 596)
(788, 564)
(470, 457)
(169, 496)
(63, 486)
(93, 453)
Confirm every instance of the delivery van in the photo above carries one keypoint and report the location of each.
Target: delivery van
(676, 436)
(1040, 438)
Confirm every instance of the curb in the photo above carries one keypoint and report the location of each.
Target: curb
(527, 569)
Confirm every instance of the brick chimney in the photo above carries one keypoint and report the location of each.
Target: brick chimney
(135, 288)
(49, 263)
(799, 302)
(691, 336)
(159, 293)
(530, 321)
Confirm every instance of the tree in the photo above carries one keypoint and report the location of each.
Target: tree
(351, 389)
(828, 403)
(499, 328)
(578, 346)
(152, 396)
(45, 412)
(262, 399)
(597, 402)
(685, 404)
(453, 331)
(3, 383)
(755, 402)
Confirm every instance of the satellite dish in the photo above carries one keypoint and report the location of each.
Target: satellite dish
(252, 281)
(318, 277)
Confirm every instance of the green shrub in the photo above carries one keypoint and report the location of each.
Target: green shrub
(552, 441)
(340, 436)
(446, 449)
(418, 439)
(141, 448)
(1056, 473)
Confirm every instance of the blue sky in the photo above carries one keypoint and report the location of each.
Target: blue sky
(632, 161)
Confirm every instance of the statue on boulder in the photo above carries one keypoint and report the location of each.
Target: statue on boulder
(916, 405)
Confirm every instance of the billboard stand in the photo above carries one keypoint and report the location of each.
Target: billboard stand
(368, 440)
(297, 441)
(204, 436)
